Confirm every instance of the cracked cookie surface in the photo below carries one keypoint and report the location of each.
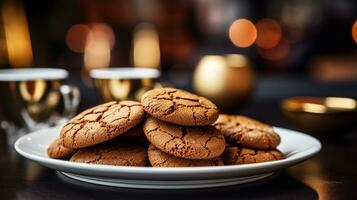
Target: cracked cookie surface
(247, 132)
(101, 123)
(57, 150)
(159, 158)
(202, 142)
(137, 131)
(112, 153)
(179, 107)
(238, 155)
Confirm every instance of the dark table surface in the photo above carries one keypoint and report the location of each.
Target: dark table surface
(332, 174)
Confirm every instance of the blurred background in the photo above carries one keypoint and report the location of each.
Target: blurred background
(289, 44)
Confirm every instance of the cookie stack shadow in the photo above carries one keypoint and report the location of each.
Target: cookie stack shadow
(168, 128)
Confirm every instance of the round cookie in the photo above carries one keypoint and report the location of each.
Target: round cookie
(57, 150)
(237, 155)
(247, 132)
(179, 107)
(112, 153)
(137, 131)
(101, 123)
(158, 158)
(202, 142)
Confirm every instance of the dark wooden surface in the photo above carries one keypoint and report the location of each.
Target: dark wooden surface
(332, 174)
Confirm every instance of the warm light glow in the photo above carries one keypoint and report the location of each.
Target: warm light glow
(269, 33)
(236, 60)
(341, 103)
(242, 33)
(146, 52)
(354, 31)
(32, 91)
(17, 34)
(76, 37)
(210, 74)
(120, 89)
(103, 31)
(320, 105)
(99, 42)
(277, 53)
(314, 108)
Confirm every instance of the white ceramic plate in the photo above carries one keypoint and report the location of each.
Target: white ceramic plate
(295, 145)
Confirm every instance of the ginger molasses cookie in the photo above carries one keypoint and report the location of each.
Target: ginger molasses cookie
(202, 142)
(247, 132)
(238, 155)
(57, 150)
(101, 123)
(112, 153)
(159, 158)
(179, 107)
(137, 131)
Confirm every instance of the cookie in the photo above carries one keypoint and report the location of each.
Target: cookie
(137, 131)
(57, 150)
(101, 123)
(112, 153)
(202, 142)
(158, 158)
(238, 155)
(247, 132)
(179, 107)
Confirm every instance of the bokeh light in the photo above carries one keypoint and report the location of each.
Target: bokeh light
(146, 47)
(354, 31)
(269, 33)
(277, 53)
(242, 33)
(98, 45)
(101, 30)
(76, 37)
(17, 34)
(209, 77)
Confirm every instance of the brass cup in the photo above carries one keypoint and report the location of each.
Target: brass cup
(321, 115)
(32, 98)
(116, 84)
(227, 80)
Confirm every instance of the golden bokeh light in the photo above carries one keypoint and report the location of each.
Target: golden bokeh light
(146, 48)
(354, 31)
(17, 34)
(242, 33)
(98, 45)
(76, 37)
(269, 33)
(210, 75)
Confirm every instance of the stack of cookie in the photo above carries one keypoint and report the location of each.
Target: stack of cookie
(100, 135)
(180, 129)
(250, 141)
(169, 128)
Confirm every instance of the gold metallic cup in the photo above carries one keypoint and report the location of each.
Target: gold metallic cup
(116, 84)
(321, 115)
(227, 80)
(32, 98)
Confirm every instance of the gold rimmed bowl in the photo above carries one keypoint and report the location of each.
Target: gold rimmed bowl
(321, 114)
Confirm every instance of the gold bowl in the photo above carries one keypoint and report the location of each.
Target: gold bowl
(321, 115)
(228, 80)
